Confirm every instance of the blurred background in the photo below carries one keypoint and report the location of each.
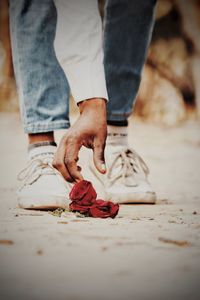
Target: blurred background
(170, 89)
(148, 252)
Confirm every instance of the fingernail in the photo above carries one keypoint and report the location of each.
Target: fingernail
(103, 167)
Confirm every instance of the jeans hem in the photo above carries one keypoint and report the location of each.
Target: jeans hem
(118, 117)
(46, 127)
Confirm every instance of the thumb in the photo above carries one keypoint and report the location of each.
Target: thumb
(98, 156)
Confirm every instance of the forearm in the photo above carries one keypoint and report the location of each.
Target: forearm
(79, 48)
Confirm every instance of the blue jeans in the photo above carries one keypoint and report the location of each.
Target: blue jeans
(42, 85)
(128, 29)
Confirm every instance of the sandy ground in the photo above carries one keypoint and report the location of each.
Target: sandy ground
(147, 252)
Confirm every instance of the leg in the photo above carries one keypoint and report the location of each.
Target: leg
(128, 27)
(43, 92)
(42, 85)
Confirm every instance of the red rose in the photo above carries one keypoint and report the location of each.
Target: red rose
(83, 192)
(83, 197)
(103, 209)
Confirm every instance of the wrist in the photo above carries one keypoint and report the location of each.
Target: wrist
(90, 104)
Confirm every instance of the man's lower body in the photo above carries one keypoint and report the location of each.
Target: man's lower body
(44, 93)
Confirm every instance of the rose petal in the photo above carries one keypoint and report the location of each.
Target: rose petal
(103, 209)
(88, 199)
(79, 208)
(95, 212)
(114, 209)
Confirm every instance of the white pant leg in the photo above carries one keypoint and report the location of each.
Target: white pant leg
(79, 48)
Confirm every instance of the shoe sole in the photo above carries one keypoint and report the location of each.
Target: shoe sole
(146, 198)
(51, 203)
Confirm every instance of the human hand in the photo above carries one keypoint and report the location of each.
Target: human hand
(90, 130)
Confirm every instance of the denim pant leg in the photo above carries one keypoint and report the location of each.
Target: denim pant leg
(128, 28)
(42, 85)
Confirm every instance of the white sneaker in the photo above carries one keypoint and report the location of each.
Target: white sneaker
(43, 186)
(126, 178)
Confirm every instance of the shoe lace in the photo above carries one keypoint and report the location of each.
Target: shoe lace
(129, 164)
(36, 168)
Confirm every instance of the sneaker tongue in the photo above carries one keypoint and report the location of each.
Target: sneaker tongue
(41, 151)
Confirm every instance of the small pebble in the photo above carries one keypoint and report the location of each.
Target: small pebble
(39, 252)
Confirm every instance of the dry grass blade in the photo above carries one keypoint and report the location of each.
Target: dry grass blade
(180, 243)
(6, 242)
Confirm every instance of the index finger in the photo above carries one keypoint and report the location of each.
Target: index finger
(59, 164)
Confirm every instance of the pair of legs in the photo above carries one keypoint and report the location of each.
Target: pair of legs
(43, 85)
